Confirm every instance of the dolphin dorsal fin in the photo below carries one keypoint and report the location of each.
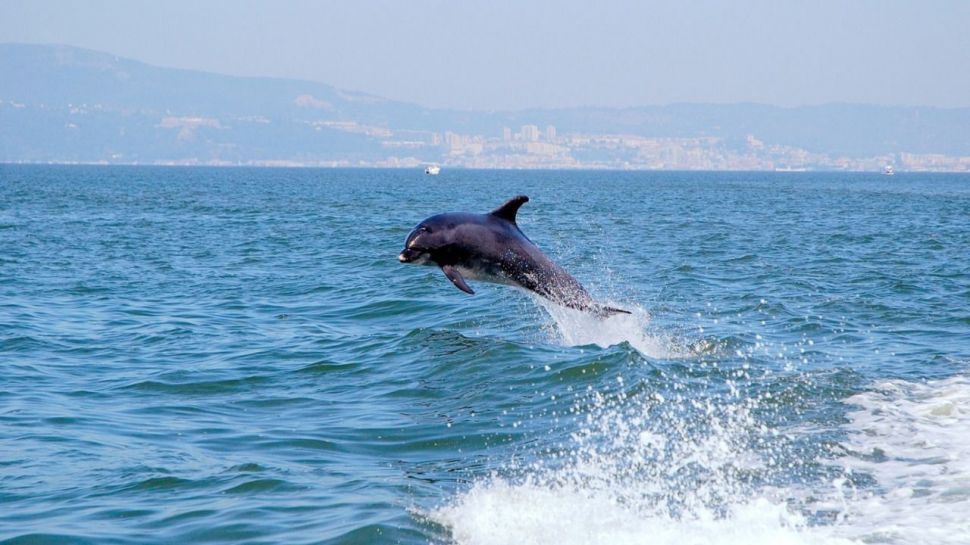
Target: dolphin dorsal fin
(507, 211)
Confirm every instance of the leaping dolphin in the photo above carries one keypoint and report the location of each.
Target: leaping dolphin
(491, 247)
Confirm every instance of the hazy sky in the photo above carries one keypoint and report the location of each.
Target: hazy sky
(503, 54)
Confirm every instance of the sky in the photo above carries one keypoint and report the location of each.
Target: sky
(500, 55)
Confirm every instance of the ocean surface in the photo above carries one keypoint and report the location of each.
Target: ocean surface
(217, 355)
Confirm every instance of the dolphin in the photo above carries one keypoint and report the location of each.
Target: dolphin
(491, 248)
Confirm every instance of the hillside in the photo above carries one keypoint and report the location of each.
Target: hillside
(65, 104)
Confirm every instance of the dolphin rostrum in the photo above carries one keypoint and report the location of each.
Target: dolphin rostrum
(491, 247)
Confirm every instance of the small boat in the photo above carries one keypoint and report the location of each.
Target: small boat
(432, 170)
(888, 170)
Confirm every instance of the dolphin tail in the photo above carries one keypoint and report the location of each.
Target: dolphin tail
(604, 311)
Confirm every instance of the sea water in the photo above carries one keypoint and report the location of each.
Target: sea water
(216, 355)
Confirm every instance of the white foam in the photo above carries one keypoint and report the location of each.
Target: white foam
(914, 439)
(498, 512)
(655, 471)
(636, 472)
(665, 471)
(576, 328)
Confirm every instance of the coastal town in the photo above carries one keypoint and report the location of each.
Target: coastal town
(535, 147)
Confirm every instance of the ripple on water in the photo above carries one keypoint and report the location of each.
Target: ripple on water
(201, 355)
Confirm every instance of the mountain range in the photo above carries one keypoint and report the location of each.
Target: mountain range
(66, 104)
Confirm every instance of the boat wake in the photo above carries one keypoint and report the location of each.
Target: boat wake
(911, 437)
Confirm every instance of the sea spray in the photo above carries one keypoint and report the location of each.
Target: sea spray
(641, 467)
(572, 327)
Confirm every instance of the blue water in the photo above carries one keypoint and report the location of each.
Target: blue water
(195, 355)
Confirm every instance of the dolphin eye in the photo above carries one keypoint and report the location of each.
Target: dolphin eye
(425, 230)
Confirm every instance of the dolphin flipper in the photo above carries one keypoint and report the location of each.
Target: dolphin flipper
(457, 279)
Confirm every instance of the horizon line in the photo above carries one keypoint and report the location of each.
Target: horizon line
(285, 164)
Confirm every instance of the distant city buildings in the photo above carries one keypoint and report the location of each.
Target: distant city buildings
(531, 148)
(529, 133)
(306, 124)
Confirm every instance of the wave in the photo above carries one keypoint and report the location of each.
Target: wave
(704, 470)
(498, 512)
(641, 469)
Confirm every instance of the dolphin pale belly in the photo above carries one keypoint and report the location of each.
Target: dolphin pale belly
(491, 248)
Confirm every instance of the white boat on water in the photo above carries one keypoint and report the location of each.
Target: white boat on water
(888, 170)
(433, 170)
